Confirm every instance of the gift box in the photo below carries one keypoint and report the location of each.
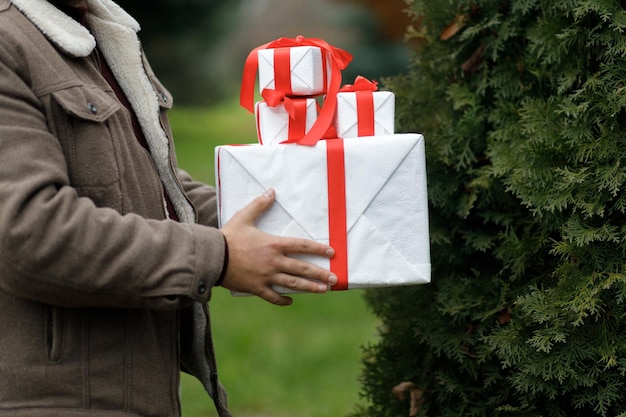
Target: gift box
(276, 124)
(295, 71)
(364, 111)
(366, 197)
(295, 68)
(365, 114)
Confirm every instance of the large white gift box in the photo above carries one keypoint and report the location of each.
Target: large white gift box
(275, 124)
(365, 110)
(295, 71)
(364, 196)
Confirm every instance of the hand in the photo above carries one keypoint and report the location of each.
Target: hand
(257, 260)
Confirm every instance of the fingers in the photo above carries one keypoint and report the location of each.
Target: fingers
(303, 276)
(297, 245)
(275, 298)
(251, 212)
(302, 285)
(291, 283)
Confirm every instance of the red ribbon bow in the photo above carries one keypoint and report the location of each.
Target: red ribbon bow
(360, 84)
(275, 98)
(339, 60)
(296, 108)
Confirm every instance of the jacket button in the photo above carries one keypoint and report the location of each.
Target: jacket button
(202, 287)
(92, 108)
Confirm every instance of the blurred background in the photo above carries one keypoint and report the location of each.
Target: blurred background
(304, 360)
(198, 47)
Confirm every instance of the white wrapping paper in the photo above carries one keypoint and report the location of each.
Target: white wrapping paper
(273, 122)
(307, 70)
(387, 211)
(347, 115)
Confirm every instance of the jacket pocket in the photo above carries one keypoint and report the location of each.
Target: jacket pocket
(88, 124)
(86, 102)
(55, 333)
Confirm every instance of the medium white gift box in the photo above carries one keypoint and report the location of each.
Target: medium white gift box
(275, 125)
(295, 70)
(354, 110)
(364, 196)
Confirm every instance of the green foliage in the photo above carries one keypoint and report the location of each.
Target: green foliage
(523, 106)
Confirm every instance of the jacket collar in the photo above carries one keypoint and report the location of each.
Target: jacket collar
(70, 36)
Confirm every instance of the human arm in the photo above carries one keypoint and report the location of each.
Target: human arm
(58, 246)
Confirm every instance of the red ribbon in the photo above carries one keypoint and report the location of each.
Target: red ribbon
(360, 84)
(339, 60)
(295, 107)
(282, 70)
(363, 89)
(337, 223)
(275, 98)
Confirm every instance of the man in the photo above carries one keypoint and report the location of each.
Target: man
(108, 251)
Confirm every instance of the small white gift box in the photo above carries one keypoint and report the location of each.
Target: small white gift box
(366, 197)
(295, 71)
(275, 124)
(365, 113)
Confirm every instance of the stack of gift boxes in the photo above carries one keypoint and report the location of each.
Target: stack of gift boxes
(290, 109)
(341, 174)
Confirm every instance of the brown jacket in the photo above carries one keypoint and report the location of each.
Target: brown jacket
(101, 298)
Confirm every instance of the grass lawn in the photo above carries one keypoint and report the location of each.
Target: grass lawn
(297, 361)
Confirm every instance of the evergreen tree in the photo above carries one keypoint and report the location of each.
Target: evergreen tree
(522, 104)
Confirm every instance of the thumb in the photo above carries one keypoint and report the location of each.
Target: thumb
(251, 212)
